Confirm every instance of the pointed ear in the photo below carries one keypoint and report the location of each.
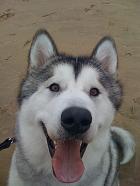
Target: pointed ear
(105, 52)
(42, 48)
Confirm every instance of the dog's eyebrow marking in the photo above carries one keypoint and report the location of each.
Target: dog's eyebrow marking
(64, 73)
(88, 77)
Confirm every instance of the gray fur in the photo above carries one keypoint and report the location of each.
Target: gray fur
(125, 142)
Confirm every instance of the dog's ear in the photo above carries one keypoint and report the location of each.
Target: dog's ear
(105, 52)
(42, 48)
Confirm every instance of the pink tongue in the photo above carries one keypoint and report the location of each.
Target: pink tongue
(67, 164)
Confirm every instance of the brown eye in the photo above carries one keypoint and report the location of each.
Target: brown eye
(54, 87)
(94, 92)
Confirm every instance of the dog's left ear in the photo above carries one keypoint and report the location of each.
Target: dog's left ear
(42, 48)
(105, 52)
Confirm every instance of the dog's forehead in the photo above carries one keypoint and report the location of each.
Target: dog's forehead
(66, 72)
(88, 76)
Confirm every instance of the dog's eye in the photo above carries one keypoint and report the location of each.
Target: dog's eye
(54, 87)
(94, 92)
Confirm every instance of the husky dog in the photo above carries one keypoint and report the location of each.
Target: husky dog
(63, 131)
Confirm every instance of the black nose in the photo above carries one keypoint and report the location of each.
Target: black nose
(76, 120)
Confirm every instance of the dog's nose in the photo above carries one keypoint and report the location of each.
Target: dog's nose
(76, 120)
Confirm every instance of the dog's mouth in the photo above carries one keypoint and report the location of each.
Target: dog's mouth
(66, 158)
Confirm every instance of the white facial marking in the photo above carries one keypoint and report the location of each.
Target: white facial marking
(88, 78)
(63, 74)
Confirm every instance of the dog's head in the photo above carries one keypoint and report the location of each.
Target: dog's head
(72, 98)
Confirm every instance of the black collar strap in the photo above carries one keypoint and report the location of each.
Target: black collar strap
(7, 143)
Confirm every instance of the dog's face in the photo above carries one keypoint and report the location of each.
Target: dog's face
(74, 98)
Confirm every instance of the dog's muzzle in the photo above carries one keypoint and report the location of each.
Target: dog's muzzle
(76, 120)
(67, 152)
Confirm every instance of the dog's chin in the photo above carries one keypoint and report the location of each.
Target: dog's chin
(66, 157)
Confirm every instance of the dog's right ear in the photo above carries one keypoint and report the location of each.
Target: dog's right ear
(42, 48)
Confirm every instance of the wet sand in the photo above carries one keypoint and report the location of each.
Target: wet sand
(76, 27)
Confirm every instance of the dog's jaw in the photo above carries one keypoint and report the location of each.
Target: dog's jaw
(66, 157)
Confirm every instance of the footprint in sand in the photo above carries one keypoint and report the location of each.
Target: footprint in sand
(6, 15)
(89, 8)
(132, 111)
(27, 43)
(137, 100)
